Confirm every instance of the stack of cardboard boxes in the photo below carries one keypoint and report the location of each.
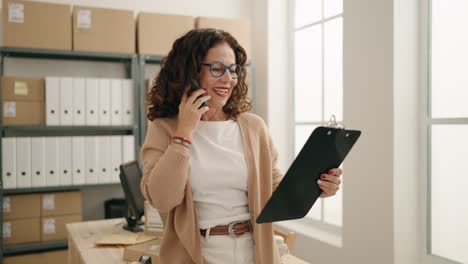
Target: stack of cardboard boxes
(38, 25)
(21, 219)
(30, 218)
(57, 210)
(42, 25)
(23, 101)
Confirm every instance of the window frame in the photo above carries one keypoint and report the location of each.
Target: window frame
(426, 124)
(307, 224)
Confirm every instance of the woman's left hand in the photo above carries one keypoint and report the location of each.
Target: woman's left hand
(330, 183)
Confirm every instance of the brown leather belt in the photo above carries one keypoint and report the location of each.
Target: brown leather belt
(233, 229)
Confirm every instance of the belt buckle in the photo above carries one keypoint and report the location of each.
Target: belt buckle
(231, 225)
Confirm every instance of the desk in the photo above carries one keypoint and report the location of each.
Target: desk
(82, 249)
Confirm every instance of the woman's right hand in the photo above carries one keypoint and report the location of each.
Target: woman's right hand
(189, 114)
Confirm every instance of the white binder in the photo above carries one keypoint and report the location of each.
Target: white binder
(9, 162)
(66, 101)
(51, 161)
(92, 99)
(38, 170)
(127, 102)
(65, 161)
(91, 160)
(116, 157)
(104, 158)
(128, 147)
(79, 90)
(116, 102)
(78, 160)
(104, 102)
(23, 162)
(52, 99)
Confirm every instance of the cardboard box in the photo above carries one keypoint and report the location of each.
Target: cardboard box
(157, 32)
(21, 231)
(23, 101)
(103, 30)
(61, 203)
(55, 257)
(149, 248)
(23, 89)
(49, 257)
(31, 24)
(23, 113)
(53, 228)
(21, 206)
(238, 28)
(24, 259)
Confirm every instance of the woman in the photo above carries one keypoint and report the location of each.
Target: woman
(212, 167)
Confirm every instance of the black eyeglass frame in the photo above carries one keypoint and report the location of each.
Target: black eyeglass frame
(226, 67)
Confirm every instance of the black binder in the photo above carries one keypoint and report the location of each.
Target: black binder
(325, 149)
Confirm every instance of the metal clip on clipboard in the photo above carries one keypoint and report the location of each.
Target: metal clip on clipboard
(326, 148)
(333, 124)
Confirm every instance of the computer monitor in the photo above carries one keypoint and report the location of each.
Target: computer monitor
(130, 177)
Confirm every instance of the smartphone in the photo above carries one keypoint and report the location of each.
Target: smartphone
(194, 87)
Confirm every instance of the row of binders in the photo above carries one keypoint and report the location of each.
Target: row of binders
(88, 102)
(59, 161)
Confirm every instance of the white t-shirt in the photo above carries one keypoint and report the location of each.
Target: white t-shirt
(218, 174)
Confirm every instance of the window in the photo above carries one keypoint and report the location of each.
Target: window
(317, 35)
(446, 123)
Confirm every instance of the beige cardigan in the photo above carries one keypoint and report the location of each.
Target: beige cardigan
(166, 186)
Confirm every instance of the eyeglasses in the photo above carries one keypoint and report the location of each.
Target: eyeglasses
(217, 69)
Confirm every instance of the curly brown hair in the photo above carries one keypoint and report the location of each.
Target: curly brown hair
(182, 66)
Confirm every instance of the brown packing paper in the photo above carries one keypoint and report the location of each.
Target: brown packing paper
(124, 237)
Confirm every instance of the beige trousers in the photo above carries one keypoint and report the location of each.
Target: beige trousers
(227, 249)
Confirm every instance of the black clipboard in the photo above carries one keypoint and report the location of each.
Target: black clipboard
(325, 149)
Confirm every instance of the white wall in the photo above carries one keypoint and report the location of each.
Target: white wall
(406, 131)
(259, 25)
(368, 106)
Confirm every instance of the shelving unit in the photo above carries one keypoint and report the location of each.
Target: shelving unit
(34, 247)
(42, 131)
(131, 68)
(57, 188)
